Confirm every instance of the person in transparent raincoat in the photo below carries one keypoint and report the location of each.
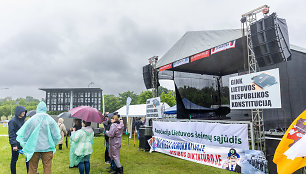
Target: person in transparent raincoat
(81, 142)
(38, 137)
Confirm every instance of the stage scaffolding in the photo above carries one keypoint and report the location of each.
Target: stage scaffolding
(257, 114)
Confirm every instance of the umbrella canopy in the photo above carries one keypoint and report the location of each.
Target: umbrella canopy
(64, 115)
(31, 113)
(87, 113)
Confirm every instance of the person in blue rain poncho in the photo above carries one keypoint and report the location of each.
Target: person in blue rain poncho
(39, 137)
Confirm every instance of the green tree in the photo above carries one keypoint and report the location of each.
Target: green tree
(168, 98)
(112, 103)
(8, 103)
(125, 95)
(21, 101)
(162, 90)
(142, 98)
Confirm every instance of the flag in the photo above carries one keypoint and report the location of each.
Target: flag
(289, 155)
(128, 102)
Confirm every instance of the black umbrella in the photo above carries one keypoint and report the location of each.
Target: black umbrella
(31, 113)
(64, 115)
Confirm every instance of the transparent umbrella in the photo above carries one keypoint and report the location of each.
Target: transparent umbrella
(64, 115)
(31, 113)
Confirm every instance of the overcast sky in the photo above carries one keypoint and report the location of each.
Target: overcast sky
(70, 43)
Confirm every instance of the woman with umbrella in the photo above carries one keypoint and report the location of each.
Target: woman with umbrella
(115, 134)
(81, 147)
(81, 141)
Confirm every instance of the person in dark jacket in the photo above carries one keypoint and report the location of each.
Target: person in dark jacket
(13, 126)
(138, 124)
(107, 123)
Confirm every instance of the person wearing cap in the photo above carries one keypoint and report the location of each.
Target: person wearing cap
(232, 163)
(39, 137)
(13, 126)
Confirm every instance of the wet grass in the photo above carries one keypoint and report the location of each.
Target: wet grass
(133, 160)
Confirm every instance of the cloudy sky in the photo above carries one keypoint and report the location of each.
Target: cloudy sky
(61, 44)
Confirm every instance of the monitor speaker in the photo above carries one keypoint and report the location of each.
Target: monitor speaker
(147, 76)
(270, 40)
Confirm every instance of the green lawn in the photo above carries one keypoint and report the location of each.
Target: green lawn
(132, 159)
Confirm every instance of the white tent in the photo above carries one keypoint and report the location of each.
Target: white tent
(136, 110)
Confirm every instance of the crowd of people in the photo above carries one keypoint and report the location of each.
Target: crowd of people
(38, 137)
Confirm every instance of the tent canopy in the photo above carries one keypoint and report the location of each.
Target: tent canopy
(214, 52)
(171, 110)
(136, 110)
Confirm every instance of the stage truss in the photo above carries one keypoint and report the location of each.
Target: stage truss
(257, 114)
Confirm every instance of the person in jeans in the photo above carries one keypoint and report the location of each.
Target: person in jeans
(39, 137)
(81, 147)
(14, 125)
(138, 124)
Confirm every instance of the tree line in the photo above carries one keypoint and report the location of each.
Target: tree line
(112, 102)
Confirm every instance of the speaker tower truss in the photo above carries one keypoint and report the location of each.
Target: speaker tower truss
(257, 114)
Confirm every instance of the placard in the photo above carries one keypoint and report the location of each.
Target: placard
(153, 108)
(259, 90)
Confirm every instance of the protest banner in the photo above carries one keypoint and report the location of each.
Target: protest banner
(237, 160)
(214, 134)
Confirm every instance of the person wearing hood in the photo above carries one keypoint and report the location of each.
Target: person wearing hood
(138, 124)
(39, 137)
(115, 134)
(14, 125)
(81, 143)
(63, 131)
(107, 123)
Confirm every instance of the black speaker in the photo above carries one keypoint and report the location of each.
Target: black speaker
(145, 133)
(270, 40)
(147, 76)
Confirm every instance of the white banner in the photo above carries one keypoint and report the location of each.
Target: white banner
(259, 90)
(223, 47)
(214, 134)
(247, 162)
(181, 62)
(153, 109)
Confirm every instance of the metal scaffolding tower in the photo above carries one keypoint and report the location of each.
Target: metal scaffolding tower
(257, 114)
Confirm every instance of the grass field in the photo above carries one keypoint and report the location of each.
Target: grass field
(133, 160)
